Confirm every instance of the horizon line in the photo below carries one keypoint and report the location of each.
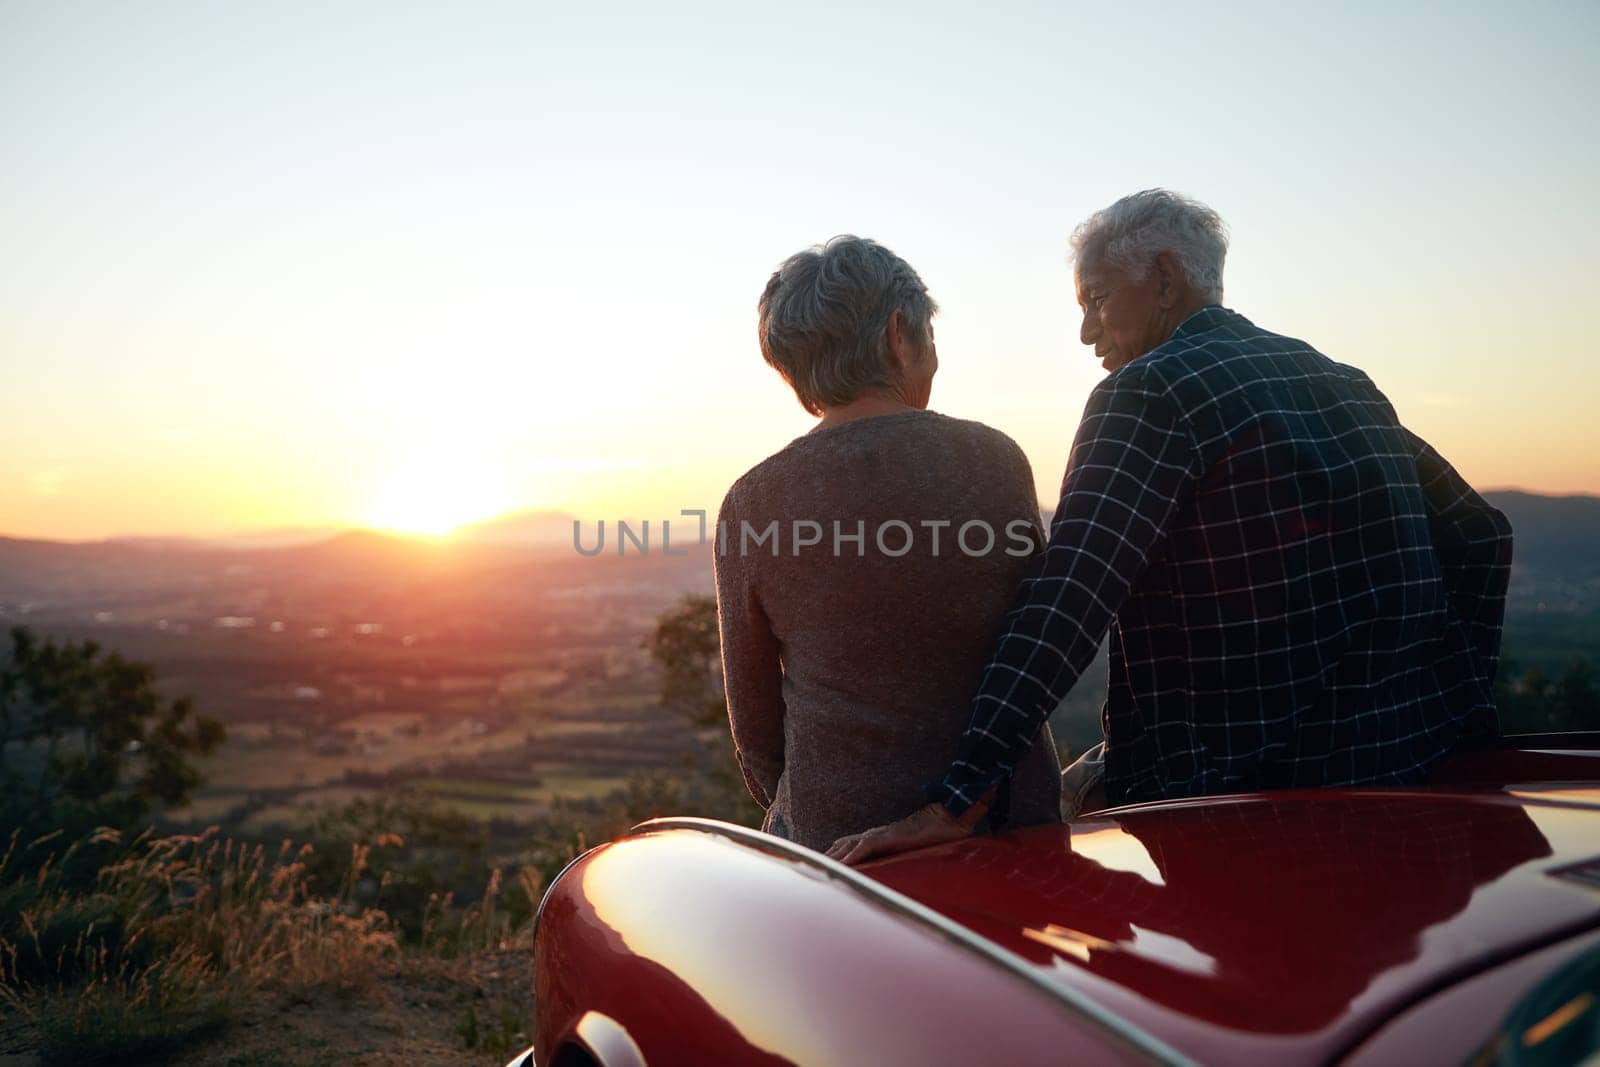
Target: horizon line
(334, 529)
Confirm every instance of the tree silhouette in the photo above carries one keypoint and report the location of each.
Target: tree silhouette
(87, 739)
(687, 647)
(1535, 702)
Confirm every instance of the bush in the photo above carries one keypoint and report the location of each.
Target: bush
(88, 740)
(1535, 702)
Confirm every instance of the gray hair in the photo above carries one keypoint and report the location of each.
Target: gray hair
(824, 319)
(1129, 233)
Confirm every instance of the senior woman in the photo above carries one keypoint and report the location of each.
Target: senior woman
(864, 570)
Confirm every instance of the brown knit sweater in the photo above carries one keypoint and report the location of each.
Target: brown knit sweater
(850, 665)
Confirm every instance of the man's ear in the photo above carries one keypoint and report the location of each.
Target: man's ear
(901, 351)
(1170, 281)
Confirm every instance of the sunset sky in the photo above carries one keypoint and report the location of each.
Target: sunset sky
(280, 264)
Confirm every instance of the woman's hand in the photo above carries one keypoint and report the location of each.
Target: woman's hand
(931, 825)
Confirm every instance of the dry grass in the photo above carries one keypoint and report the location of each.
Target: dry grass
(482, 927)
(163, 943)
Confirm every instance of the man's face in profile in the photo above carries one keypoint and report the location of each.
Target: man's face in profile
(1121, 318)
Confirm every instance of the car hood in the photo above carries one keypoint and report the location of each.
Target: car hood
(1275, 927)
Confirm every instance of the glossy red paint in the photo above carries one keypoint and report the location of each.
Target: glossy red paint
(1275, 928)
(705, 951)
(1291, 927)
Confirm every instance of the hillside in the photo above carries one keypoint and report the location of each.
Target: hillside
(1556, 558)
(1553, 533)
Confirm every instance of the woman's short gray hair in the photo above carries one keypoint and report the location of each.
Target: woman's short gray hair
(824, 319)
(1129, 233)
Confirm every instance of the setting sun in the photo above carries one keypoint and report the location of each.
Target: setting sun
(434, 492)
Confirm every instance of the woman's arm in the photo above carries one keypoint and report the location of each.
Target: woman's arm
(752, 673)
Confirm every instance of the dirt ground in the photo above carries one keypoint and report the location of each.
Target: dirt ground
(419, 1012)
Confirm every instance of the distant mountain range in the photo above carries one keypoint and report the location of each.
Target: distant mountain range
(520, 528)
(542, 528)
(1557, 552)
(284, 537)
(1552, 532)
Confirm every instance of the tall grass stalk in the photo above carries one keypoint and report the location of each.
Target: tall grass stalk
(170, 935)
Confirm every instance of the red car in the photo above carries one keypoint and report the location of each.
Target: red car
(1453, 923)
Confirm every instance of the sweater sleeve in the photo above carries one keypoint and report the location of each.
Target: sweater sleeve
(752, 671)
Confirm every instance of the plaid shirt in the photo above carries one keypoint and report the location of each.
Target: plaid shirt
(1300, 592)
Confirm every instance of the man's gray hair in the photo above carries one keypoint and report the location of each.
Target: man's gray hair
(1129, 233)
(824, 319)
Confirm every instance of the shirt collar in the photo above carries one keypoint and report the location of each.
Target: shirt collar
(1207, 318)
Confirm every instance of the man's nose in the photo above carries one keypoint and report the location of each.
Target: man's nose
(1089, 332)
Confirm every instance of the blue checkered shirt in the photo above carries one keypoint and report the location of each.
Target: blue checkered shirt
(1299, 591)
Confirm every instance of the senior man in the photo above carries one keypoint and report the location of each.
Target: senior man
(1299, 590)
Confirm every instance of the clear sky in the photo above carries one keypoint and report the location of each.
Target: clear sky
(283, 264)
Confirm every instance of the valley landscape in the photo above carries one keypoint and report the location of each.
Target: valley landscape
(498, 674)
(492, 676)
(427, 731)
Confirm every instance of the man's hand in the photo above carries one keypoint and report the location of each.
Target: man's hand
(932, 825)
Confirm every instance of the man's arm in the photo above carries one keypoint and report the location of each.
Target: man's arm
(752, 673)
(1473, 540)
(1131, 468)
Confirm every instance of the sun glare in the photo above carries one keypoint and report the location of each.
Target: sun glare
(435, 493)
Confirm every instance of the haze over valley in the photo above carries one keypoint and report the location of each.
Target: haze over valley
(499, 669)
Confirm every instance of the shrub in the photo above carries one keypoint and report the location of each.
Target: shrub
(89, 739)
